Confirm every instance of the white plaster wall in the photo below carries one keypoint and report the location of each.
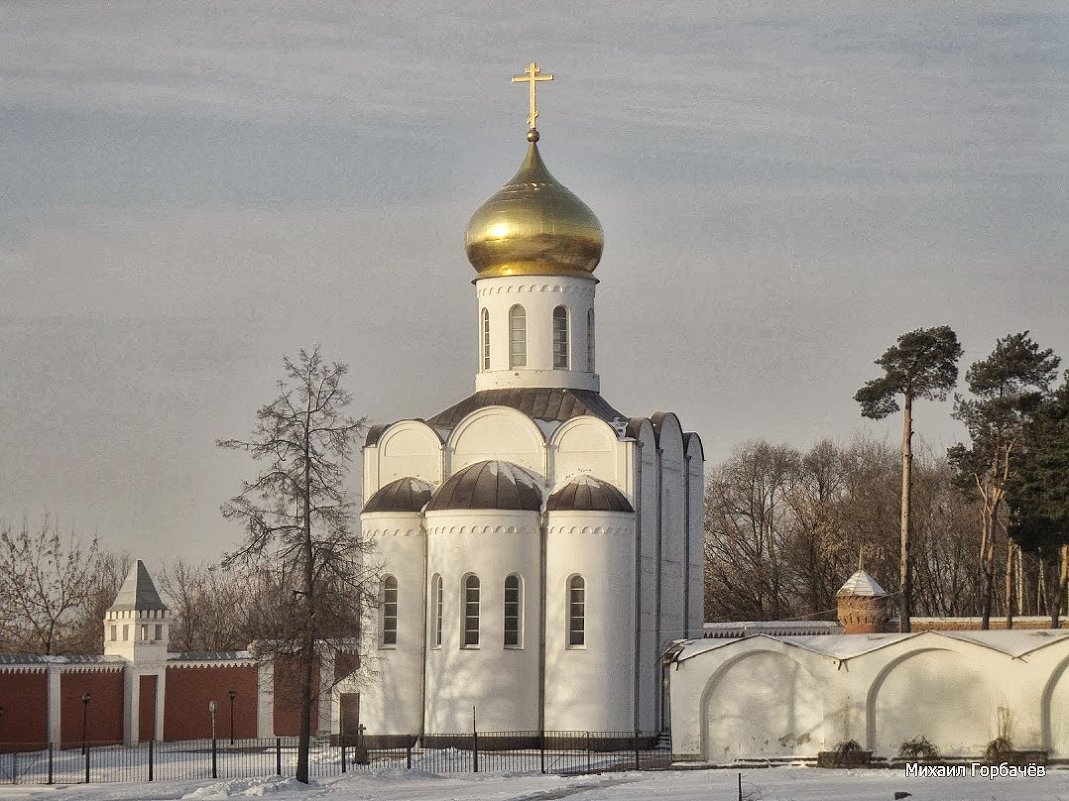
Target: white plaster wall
(959, 705)
(497, 432)
(539, 295)
(673, 536)
(649, 636)
(501, 682)
(763, 703)
(589, 446)
(406, 448)
(951, 691)
(391, 697)
(696, 540)
(591, 687)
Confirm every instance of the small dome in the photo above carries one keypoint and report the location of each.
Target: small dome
(403, 495)
(534, 226)
(488, 485)
(588, 494)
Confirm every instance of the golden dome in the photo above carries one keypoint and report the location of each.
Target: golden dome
(534, 226)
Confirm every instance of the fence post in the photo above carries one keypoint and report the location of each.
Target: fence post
(50, 763)
(278, 756)
(408, 755)
(588, 769)
(341, 740)
(87, 763)
(215, 771)
(637, 765)
(150, 743)
(474, 742)
(14, 767)
(542, 750)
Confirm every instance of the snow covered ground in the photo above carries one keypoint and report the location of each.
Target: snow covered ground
(773, 784)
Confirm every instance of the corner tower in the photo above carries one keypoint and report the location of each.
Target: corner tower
(535, 246)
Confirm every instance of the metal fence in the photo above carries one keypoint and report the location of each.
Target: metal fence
(520, 752)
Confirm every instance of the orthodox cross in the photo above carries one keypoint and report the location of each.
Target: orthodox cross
(531, 76)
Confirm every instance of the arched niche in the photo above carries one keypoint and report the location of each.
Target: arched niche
(497, 432)
(933, 693)
(1055, 701)
(585, 445)
(762, 704)
(410, 448)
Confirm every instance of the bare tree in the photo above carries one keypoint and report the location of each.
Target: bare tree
(45, 579)
(297, 513)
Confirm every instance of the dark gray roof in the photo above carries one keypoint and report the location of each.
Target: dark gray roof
(403, 495)
(588, 494)
(488, 485)
(537, 403)
(138, 592)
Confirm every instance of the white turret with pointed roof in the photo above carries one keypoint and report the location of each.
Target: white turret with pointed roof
(136, 624)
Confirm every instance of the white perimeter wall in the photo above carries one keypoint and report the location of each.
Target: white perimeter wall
(764, 697)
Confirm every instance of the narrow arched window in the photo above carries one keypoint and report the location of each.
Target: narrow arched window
(486, 338)
(471, 612)
(513, 611)
(560, 338)
(590, 340)
(436, 611)
(389, 611)
(517, 337)
(576, 612)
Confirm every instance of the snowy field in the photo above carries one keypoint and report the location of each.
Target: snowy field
(773, 784)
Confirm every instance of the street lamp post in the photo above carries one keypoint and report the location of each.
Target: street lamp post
(213, 706)
(86, 698)
(232, 694)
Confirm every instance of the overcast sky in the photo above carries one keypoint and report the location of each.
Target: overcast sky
(191, 190)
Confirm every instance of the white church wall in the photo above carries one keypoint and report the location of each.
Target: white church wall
(695, 551)
(500, 682)
(1054, 723)
(539, 296)
(673, 622)
(590, 687)
(391, 701)
(406, 448)
(588, 446)
(649, 534)
(497, 432)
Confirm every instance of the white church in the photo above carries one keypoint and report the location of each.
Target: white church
(542, 561)
(539, 549)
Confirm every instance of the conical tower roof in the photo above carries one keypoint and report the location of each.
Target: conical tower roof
(861, 585)
(138, 592)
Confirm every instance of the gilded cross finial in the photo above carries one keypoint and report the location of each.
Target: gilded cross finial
(531, 76)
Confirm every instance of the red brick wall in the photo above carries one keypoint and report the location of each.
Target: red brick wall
(190, 690)
(104, 711)
(146, 715)
(288, 696)
(24, 697)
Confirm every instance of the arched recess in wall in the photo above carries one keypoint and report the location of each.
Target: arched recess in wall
(1054, 721)
(497, 432)
(933, 693)
(761, 704)
(585, 445)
